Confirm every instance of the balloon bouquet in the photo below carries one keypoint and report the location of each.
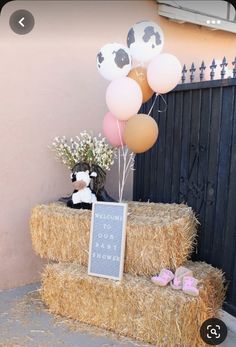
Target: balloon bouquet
(136, 72)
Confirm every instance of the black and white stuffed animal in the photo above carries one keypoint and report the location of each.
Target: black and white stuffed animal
(98, 184)
(83, 196)
(88, 185)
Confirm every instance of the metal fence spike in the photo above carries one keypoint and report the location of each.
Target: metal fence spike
(192, 70)
(213, 67)
(234, 69)
(202, 68)
(184, 71)
(223, 65)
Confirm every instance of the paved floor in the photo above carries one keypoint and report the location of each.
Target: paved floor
(24, 322)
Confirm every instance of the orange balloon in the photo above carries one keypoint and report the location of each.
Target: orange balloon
(139, 74)
(141, 132)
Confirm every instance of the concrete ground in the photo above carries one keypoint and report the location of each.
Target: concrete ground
(24, 322)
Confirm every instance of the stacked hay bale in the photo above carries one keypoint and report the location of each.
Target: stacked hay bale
(158, 236)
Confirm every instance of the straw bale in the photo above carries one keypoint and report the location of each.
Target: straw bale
(134, 307)
(158, 235)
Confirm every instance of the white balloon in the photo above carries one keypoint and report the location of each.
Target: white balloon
(164, 73)
(124, 98)
(145, 40)
(114, 61)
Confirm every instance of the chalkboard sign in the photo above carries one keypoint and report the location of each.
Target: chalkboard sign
(107, 240)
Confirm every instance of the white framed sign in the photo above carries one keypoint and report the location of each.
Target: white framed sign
(107, 240)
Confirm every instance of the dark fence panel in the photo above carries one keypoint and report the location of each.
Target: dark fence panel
(194, 161)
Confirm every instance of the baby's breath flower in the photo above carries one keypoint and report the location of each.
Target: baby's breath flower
(85, 147)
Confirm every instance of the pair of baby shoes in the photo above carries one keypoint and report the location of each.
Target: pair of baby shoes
(182, 279)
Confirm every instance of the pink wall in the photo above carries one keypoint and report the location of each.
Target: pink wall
(49, 86)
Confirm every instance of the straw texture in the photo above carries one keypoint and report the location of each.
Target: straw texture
(135, 307)
(158, 235)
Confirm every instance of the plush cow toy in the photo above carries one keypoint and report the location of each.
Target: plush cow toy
(82, 197)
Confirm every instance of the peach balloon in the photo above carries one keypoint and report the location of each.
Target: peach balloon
(113, 129)
(123, 98)
(141, 132)
(164, 73)
(139, 74)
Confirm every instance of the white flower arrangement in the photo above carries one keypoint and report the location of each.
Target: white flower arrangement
(85, 148)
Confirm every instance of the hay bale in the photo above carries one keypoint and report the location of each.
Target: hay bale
(134, 307)
(158, 235)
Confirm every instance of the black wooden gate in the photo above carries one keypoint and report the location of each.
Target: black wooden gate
(194, 161)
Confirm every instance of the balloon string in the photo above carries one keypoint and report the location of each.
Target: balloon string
(153, 104)
(123, 174)
(163, 99)
(129, 165)
(120, 137)
(121, 184)
(160, 111)
(126, 164)
(119, 157)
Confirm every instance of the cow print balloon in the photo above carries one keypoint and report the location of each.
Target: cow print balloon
(145, 40)
(114, 61)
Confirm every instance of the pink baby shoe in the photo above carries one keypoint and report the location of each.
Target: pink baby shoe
(180, 273)
(165, 276)
(190, 286)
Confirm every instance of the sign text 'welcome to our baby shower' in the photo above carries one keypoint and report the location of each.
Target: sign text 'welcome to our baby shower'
(107, 240)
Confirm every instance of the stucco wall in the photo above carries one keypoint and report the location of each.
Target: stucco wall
(49, 86)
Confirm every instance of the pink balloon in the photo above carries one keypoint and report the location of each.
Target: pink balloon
(124, 98)
(113, 129)
(164, 73)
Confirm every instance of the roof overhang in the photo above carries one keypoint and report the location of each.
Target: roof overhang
(193, 12)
